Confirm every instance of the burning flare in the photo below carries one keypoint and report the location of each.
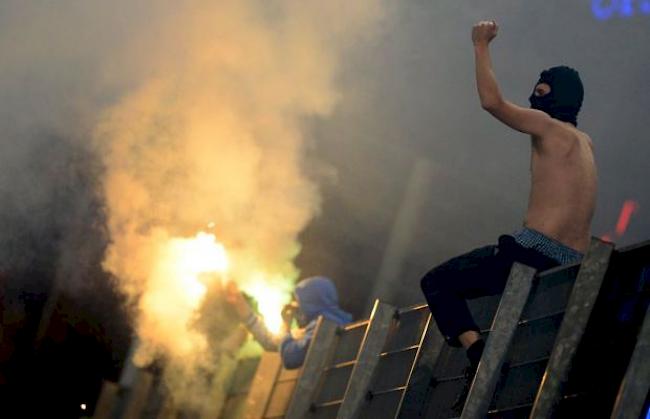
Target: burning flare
(270, 300)
(182, 271)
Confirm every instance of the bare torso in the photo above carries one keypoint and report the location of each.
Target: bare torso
(563, 186)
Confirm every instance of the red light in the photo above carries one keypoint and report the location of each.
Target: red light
(629, 208)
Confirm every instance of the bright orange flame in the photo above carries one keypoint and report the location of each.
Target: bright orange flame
(177, 286)
(189, 259)
(270, 300)
(184, 269)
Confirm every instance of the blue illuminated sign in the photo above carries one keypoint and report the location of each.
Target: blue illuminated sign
(607, 9)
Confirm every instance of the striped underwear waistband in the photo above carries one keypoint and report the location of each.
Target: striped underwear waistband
(533, 239)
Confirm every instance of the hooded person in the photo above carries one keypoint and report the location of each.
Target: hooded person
(315, 296)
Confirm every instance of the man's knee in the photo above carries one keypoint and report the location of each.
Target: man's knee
(434, 282)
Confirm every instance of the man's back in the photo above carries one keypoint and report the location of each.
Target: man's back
(563, 185)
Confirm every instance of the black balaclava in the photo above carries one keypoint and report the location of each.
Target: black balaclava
(565, 98)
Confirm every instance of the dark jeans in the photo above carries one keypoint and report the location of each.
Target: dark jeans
(483, 271)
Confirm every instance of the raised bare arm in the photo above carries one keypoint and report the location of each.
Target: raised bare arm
(529, 121)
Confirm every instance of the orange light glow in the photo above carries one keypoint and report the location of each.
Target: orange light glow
(188, 265)
(183, 269)
(270, 300)
(189, 259)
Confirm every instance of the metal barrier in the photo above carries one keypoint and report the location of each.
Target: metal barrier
(583, 297)
(397, 365)
(503, 328)
(349, 369)
(636, 383)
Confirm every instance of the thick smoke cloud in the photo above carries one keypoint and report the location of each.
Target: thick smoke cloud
(190, 113)
(211, 135)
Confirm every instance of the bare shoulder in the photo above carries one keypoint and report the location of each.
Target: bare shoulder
(563, 136)
(580, 136)
(585, 138)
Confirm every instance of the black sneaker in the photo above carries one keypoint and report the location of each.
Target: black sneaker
(459, 403)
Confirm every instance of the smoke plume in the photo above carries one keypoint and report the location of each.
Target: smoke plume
(193, 111)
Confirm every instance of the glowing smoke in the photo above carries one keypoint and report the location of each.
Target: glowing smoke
(211, 133)
(183, 269)
(194, 109)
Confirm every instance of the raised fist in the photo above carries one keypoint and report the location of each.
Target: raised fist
(484, 32)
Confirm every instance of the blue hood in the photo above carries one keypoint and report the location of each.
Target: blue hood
(317, 295)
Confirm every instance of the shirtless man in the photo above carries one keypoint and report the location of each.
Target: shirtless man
(562, 198)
